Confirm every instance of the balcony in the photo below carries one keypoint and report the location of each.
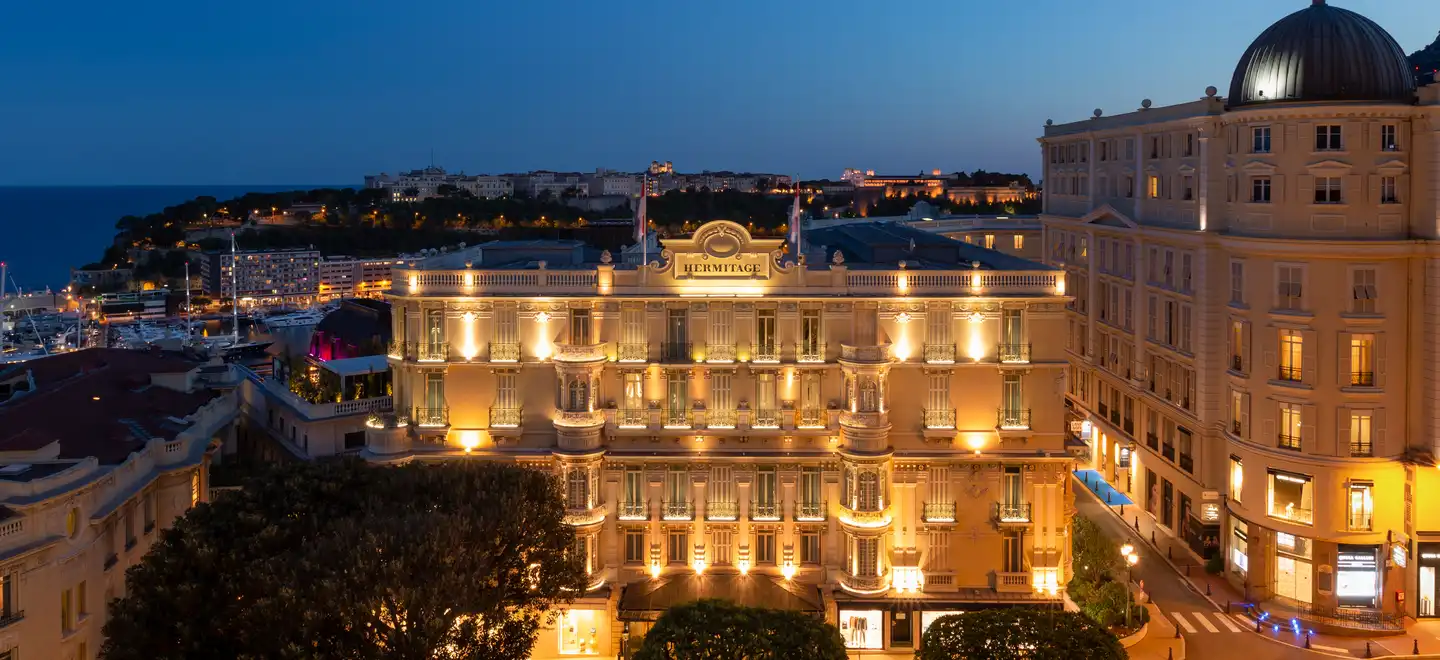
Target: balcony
(1235, 428)
(630, 510)
(865, 519)
(1013, 419)
(865, 584)
(1152, 441)
(1168, 451)
(764, 511)
(676, 418)
(1289, 374)
(766, 354)
(722, 511)
(938, 512)
(633, 352)
(1011, 513)
(719, 353)
(672, 510)
(582, 516)
(876, 354)
(396, 350)
(579, 418)
(1013, 583)
(939, 353)
(1187, 463)
(676, 352)
(939, 418)
(632, 418)
(1362, 379)
(1286, 441)
(579, 352)
(504, 351)
(721, 419)
(764, 418)
(810, 352)
(1236, 364)
(504, 418)
(809, 511)
(1014, 353)
(862, 419)
(435, 351)
(810, 418)
(11, 618)
(1293, 514)
(432, 417)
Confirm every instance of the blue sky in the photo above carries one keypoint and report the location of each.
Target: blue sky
(323, 91)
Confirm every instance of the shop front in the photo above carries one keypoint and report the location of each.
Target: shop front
(1294, 572)
(1357, 576)
(894, 628)
(1428, 590)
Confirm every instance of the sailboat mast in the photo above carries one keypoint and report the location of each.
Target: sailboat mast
(187, 299)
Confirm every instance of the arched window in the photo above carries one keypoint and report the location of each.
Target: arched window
(869, 395)
(868, 488)
(579, 396)
(577, 488)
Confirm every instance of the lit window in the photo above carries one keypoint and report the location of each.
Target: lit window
(1237, 478)
(1292, 345)
(1260, 139)
(1019, 242)
(1291, 498)
(1290, 427)
(1361, 422)
(1360, 506)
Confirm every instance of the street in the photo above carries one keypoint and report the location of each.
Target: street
(1209, 633)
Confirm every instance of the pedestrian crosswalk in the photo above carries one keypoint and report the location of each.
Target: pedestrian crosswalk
(1204, 620)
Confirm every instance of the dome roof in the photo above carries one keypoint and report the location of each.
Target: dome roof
(1322, 53)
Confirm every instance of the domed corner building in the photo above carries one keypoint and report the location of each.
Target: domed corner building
(1251, 351)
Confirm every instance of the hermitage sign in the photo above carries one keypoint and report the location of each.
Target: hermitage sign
(722, 250)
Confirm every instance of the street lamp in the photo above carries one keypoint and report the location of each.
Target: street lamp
(1131, 558)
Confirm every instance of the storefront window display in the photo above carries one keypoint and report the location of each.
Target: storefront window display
(1357, 576)
(1294, 575)
(1429, 587)
(861, 629)
(1239, 547)
(579, 632)
(1292, 497)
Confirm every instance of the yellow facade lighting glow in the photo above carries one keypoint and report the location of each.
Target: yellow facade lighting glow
(469, 440)
(468, 349)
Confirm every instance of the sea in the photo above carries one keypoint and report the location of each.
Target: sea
(47, 230)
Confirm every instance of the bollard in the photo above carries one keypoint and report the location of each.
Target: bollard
(1170, 654)
(1307, 640)
(1177, 632)
(1122, 509)
(1257, 624)
(1367, 649)
(1415, 649)
(1137, 523)
(1207, 593)
(1152, 537)
(1171, 555)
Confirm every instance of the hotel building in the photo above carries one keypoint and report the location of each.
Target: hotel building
(100, 450)
(291, 275)
(875, 433)
(1253, 334)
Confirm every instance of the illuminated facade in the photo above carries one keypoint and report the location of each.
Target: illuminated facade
(878, 428)
(1251, 337)
(291, 275)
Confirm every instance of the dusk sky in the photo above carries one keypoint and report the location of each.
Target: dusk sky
(324, 91)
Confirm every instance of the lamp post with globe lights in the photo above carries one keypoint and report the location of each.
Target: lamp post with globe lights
(1131, 558)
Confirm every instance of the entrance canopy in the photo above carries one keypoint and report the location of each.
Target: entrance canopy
(646, 601)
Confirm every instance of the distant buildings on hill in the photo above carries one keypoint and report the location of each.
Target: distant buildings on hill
(660, 178)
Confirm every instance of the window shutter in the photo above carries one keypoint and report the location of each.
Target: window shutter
(1372, 136)
(1307, 189)
(1277, 139)
(1307, 427)
(1402, 188)
(1379, 357)
(1292, 133)
(1268, 428)
(1249, 347)
(1351, 194)
(1402, 135)
(1307, 355)
(1342, 432)
(1245, 431)
(1374, 197)
(1277, 188)
(1269, 360)
(1342, 375)
(1377, 433)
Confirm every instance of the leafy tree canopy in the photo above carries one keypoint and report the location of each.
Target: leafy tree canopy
(1016, 633)
(720, 629)
(453, 561)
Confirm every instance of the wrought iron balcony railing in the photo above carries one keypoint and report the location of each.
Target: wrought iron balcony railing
(722, 510)
(504, 352)
(939, 512)
(810, 352)
(633, 510)
(764, 511)
(676, 418)
(811, 418)
(939, 418)
(432, 416)
(632, 418)
(1011, 512)
(1014, 353)
(433, 352)
(676, 352)
(809, 511)
(940, 353)
(1362, 379)
(766, 353)
(865, 583)
(628, 352)
(765, 418)
(1013, 419)
(505, 418)
(720, 419)
(673, 510)
(721, 353)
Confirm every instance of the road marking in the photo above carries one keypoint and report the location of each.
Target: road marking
(1225, 621)
(1183, 623)
(1328, 648)
(1200, 616)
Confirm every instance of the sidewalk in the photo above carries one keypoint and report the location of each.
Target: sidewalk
(1161, 642)
(1226, 598)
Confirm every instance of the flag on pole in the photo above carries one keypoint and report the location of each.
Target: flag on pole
(640, 224)
(795, 221)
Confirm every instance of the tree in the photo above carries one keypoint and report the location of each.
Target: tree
(1011, 634)
(460, 560)
(721, 629)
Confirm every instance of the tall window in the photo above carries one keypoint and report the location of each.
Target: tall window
(1327, 137)
(1152, 187)
(722, 401)
(937, 559)
(8, 605)
(634, 391)
(67, 610)
(1238, 346)
(1290, 425)
(765, 334)
(1292, 351)
(1260, 140)
(990, 238)
(722, 484)
(1012, 488)
(765, 546)
(1388, 141)
(1020, 240)
(1363, 291)
(434, 391)
(809, 547)
(1237, 477)
(765, 486)
(1010, 394)
(865, 557)
(1012, 326)
(1240, 413)
(632, 333)
(580, 328)
(721, 539)
(810, 486)
(677, 485)
(677, 330)
(1360, 506)
(766, 404)
(506, 330)
(633, 487)
(938, 413)
(1290, 288)
(1389, 193)
(1329, 190)
(810, 390)
(1012, 553)
(1237, 282)
(677, 546)
(677, 392)
(937, 326)
(1361, 422)
(810, 332)
(1260, 190)
(722, 329)
(634, 546)
(577, 487)
(1362, 360)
